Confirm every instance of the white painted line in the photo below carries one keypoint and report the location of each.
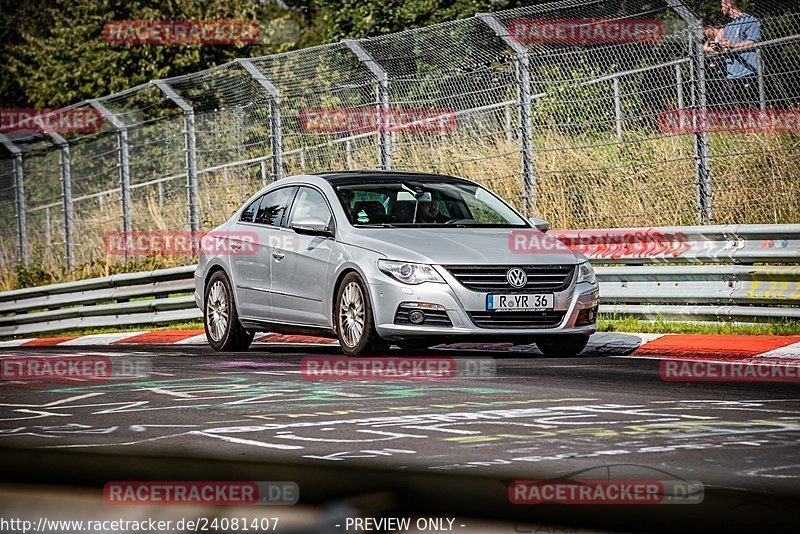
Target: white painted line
(789, 352)
(101, 339)
(647, 338)
(241, 441)
(199, 339)
(615, 343)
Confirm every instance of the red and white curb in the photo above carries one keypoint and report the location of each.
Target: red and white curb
(723, 348)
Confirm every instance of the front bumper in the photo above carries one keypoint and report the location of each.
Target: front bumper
(458, 301)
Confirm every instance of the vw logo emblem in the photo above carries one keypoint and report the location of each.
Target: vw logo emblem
(516, 277)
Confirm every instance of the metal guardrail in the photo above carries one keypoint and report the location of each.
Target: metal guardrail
(732, 243)
(722, 292)
(150, 297)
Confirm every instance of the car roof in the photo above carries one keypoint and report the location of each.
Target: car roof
(338, 177)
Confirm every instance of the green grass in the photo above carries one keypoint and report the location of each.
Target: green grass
(187, 325)
(631, 324)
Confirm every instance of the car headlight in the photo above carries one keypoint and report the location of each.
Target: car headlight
(586, 273)
(410, 273)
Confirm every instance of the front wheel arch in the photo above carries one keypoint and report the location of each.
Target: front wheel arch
(335, 292)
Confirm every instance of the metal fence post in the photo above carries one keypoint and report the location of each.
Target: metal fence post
(263, 166)
(275, 133)
(190, 146)
(19, 198)
(123, 165)
(702, 169)
(348, 149)
(382, 94)
(700, 106)
(679, 89)
(523, 75)
(66, 197)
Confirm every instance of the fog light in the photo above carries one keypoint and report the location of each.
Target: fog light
(416, 317)
(587, 316)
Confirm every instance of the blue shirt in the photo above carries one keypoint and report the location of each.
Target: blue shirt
(743, 28)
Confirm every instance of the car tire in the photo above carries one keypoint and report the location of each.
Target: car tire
(563, 346)
(354, 321)
(221, 320)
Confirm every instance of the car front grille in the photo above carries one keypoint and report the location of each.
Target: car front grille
(541, 278)
(517, 319)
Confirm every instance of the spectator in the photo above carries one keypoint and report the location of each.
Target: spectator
(743, 30)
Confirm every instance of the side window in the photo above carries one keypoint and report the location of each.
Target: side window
(309, 203)
(273, 205)
(250, 211)
(479, 211)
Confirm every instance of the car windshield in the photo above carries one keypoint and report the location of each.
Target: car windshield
(426, 203)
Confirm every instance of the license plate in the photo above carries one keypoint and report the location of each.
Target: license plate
(540, 301)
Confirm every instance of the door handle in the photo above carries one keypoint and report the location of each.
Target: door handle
(278, 255)
(236, 246)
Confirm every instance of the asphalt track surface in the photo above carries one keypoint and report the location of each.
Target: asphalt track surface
(604, 416)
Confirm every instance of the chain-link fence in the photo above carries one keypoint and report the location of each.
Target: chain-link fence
(589, 113)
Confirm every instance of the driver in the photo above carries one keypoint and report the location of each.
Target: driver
(428, 212)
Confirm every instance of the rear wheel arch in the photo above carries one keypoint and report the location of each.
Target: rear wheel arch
(209, 273)
(220, 315)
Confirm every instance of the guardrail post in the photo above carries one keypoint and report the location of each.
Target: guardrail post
(275, 134)
(699, 109)
(123, 165)
(19, 198)
(190, 144)
(382, 94)
(523, 75)
(66, 197)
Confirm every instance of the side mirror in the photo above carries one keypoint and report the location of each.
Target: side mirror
(540, 224)
(312, 226)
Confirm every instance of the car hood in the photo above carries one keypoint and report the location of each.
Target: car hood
(506, 246)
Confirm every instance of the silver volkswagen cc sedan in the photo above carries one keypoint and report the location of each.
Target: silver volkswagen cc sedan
(379, 258)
